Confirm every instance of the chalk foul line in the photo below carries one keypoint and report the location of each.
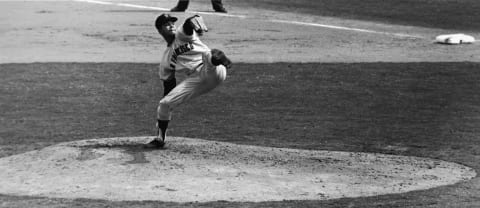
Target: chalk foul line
(267, 20)
(345, 28)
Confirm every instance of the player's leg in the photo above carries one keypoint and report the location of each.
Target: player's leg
(190, 88)
(213, 77)
(186, 90)
(200, 84)
(175, 97)
(218, 6)
(182, 5)
(162, 124)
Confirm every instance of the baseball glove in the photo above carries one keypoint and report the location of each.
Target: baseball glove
(198, 24)
(219, 58)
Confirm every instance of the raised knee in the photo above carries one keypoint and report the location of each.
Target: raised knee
(221, 74)
(163, 103)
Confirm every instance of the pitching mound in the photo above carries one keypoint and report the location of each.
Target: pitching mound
(199, 170)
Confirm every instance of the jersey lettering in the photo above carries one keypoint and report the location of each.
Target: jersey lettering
(179, 51)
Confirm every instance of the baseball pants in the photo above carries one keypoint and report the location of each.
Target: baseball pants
(193, 86)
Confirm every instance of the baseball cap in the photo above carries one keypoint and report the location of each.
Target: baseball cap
(164, 18)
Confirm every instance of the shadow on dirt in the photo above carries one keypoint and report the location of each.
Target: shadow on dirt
(136, 151)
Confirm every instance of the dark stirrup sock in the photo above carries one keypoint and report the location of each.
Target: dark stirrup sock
(163, 125)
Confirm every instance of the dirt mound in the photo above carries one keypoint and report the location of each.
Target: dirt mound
(198, 170)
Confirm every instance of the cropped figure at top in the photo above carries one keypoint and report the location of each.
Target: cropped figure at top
(182, 5)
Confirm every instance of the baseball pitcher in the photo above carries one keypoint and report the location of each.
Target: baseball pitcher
(204, 68)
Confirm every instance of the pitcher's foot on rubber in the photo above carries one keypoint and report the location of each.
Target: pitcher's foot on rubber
(155, 144)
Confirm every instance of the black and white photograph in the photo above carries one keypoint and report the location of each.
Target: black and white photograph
(239, 103)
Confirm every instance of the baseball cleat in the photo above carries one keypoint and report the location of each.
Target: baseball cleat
(158, 142)
(155, 144)
(220, 9)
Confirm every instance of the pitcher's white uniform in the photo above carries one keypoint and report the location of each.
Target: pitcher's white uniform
(188, 55)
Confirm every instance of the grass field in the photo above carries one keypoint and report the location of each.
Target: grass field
(420, 109)
(446, 14)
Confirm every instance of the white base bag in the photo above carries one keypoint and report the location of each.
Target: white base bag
(454, 39)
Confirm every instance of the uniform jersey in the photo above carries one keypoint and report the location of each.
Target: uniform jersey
(184, 55)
